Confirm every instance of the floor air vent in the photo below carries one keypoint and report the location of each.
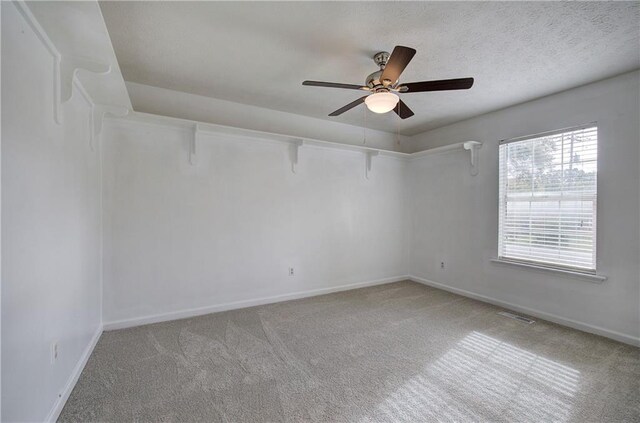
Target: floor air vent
(516, 317)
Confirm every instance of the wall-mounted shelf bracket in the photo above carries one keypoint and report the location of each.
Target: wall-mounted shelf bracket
(472, 147)
(193, 144)
(294, 152)
(98, 111)
(65, 70)
(369, 162)
(69, 67)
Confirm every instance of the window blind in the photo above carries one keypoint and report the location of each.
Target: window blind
(548, 197)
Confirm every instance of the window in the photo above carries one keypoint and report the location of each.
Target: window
(548, 199)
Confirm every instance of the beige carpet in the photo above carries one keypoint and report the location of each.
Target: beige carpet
(395, 352)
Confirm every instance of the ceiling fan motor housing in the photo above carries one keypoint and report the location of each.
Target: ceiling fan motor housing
(381, 59)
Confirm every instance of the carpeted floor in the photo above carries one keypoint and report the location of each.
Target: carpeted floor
(395, 352)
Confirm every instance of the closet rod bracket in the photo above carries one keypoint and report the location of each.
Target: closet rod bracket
(473, 147)
(295, 152)
(369, 162)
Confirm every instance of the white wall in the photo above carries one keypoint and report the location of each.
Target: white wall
(50, 229)
(178, 104)
(0, 234)
(180, 237)
(454, 215)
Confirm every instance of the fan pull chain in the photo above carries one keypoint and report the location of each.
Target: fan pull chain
(398, 127)
(364, 126)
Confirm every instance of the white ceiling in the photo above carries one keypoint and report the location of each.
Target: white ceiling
(258, 53)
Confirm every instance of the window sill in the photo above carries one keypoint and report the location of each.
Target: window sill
(571, 273)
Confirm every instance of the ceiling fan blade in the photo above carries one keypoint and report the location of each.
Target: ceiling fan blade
(349, 106)
(400, 58)
(403, 110)
(334, 85)
(441, 85)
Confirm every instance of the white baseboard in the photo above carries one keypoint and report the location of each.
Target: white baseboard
(73, 379)
(585, 327)
(183, 314)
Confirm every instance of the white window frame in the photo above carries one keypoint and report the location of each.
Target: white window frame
(538, 264)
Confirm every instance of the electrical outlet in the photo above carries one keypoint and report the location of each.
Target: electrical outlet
(54, 352)
(291, 271)
(442, 265)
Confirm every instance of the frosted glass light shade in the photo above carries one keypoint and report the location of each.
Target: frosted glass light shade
(381, 102)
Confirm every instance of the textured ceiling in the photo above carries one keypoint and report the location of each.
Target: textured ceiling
(258, 53)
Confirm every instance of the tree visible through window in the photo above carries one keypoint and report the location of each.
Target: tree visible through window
(548, 196)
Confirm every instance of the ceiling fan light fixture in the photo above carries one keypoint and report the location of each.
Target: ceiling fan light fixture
(381, 102)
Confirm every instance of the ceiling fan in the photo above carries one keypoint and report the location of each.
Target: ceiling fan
(383, 84)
